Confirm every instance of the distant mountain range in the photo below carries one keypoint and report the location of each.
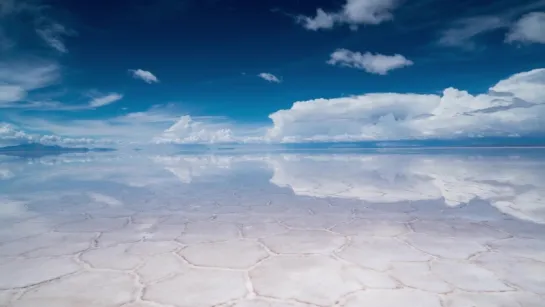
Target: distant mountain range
(35, 150)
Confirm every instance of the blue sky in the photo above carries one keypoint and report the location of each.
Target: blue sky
(210, 71)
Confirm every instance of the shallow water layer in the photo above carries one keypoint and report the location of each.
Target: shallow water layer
(381, 229)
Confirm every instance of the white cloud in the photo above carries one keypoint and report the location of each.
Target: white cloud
(138, 127)
(528, 29)
(353, 13)
(464, 30)
(19, 78)
(11, 93)
(188, 130)
(144, 75)
(513, 106)
(34, 15)
(322, 20)
(52, 34)
(105, 100)
(269, 77)
(529, 86)
(12, 135)
(371, 63)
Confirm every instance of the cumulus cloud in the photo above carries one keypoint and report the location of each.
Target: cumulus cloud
(105, 100)
(515, 105)
(528, 29)
(371, 63)
(188, 130)
(352, 13)
(13, 135)
(144, 75)
(269, 77)
(322, 20)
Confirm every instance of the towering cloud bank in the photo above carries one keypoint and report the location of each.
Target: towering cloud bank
(514, 106)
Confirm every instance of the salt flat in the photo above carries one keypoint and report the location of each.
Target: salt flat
(274, 230)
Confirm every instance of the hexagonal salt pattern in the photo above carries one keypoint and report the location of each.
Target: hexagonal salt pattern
(393, 298)
(22, 273)
(379, 253)
(304, 242)
(241, 239)
(238, 254)
(315, 279)
(267, 303)
(94, 289)
(196, 288)
(468, 276)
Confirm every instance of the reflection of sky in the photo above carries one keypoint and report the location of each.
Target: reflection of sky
(448, 224)
(515, 185)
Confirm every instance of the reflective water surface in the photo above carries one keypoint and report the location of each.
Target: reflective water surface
(380, 229)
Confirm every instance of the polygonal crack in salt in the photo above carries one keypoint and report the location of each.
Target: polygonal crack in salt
(379, 253)
(418, 275)
(519, 247)
(89, 289)
(366, 228)
(263, 303)
(444, 246)
(304, 242)
(314, 221)
(393, 298)
(114, 257)
(315, 279)
(150, 248)
(235, 254)
(6, 296)
(504, 299)
(48, 244)
(468, 276)
(208, 231)
(526, 274)
(260, 230)
(129, 234)
(161, 266)
(26, 272)
(201, 288)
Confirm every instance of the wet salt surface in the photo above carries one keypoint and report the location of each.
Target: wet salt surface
(274, 230)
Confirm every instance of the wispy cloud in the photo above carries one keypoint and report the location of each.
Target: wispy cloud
(528, 29)
(17, 79)
(144, 75)
(524, 26)
(269, 77)
(33, 14)
(105, 100)
(463, 31)
(372, 63)
(52, 34)
(352, 13)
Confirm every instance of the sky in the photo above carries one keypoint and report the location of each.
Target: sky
(135, 72)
